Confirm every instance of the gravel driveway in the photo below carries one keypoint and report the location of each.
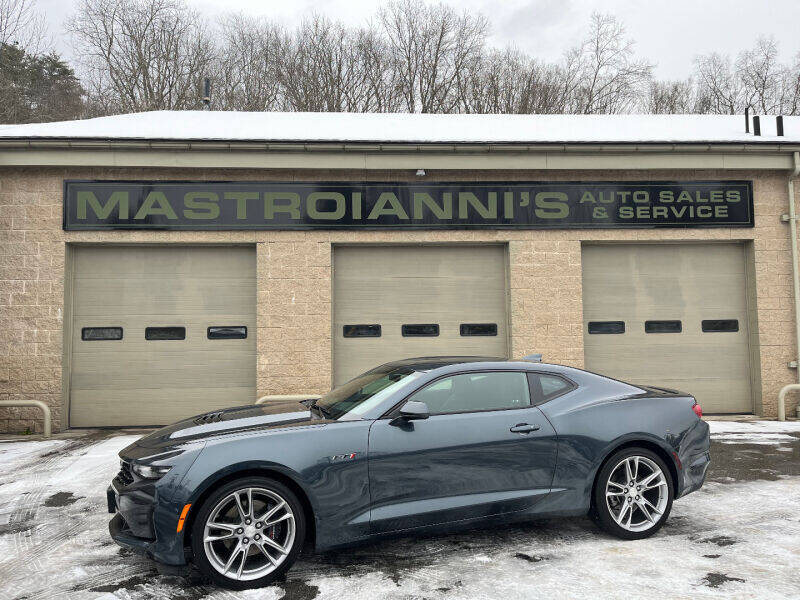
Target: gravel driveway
(738, 537)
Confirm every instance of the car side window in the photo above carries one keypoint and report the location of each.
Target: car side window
(469, 392)
(553, 386)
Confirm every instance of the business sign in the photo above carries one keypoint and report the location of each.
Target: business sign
(529, 205)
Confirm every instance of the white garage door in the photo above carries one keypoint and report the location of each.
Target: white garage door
(671, 315)
(395, 302)
(161, 333)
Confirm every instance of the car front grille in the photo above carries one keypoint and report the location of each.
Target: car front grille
(125, 474)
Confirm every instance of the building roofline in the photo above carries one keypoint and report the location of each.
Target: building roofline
(413, 129)
(66, 143)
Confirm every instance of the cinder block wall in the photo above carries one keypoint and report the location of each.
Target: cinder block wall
(294, 277)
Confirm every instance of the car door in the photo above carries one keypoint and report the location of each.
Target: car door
(484, 450)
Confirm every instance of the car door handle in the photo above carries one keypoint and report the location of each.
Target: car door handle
(523, 428)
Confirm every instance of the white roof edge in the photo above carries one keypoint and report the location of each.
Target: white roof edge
(405, 128)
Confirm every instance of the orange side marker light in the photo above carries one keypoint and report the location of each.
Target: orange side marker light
(182, 518)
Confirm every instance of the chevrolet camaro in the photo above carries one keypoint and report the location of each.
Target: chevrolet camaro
(415, 445)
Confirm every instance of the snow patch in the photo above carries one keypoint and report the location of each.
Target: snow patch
(752, 438)
(754, 426)
(13, 453)
(766, 433)
(410, 128)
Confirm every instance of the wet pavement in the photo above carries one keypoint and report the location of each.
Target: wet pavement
(738, 537)
(737, 462)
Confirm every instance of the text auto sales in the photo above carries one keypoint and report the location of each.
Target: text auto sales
(94, 205)
(639, 204)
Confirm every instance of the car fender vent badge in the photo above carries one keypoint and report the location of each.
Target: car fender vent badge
(342, 457)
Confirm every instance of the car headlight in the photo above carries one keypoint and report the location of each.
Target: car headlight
(150, 471)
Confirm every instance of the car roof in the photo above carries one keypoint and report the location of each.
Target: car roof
(429, 363)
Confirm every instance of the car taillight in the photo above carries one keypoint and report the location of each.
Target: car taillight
(697, 410)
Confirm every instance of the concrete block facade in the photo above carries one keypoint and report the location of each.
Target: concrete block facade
(294, 275)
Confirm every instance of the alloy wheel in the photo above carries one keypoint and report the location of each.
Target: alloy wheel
(249, 533)
(637, 493)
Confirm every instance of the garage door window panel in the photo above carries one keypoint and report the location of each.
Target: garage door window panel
(420, 330)
(470, 329)
(475, 392)
(227, 333)
(720, 325)
(95, 334)
(606, 327)
(662, 327)
(356, 331)
(164, 333)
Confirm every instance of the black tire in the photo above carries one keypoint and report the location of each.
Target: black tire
(601, 511)
(204, 563)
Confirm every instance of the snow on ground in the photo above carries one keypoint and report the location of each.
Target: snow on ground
(756, 427)
(738, 537)
(754, 432)
(15, 453)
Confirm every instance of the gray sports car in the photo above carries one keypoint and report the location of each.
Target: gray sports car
(413, 445)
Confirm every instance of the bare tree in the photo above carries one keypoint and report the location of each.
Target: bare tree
(762, 77)
(152, 54)
(671, 97)
(509, 81)
(329, 67)
(607, 77)
(379, 78)
(756, 79)
(720, 90)
(792, 86)
(248, 64)
(430, 47)
(141, 54)
(22, 25)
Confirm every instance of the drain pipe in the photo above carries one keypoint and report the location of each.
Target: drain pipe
(792, 218)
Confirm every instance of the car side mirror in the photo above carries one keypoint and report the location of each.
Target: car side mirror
(414, 411)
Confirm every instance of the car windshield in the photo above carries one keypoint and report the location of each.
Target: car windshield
(353, 399)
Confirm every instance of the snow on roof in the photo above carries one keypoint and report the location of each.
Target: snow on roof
(410, 128)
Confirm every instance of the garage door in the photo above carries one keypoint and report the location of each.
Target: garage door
(161, 333)
(397, 302)
(670, 315)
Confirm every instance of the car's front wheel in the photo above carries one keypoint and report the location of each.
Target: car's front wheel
(633, 494)
(248, 533)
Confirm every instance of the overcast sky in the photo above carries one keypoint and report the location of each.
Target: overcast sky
(670, 33)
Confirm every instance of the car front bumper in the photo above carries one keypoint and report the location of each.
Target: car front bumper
(143, 524)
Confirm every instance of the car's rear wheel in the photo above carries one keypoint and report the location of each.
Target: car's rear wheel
(248, 533)
(633, 494)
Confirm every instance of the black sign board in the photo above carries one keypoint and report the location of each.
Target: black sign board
(457, 205)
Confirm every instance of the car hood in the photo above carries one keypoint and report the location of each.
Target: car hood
(275, 415)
